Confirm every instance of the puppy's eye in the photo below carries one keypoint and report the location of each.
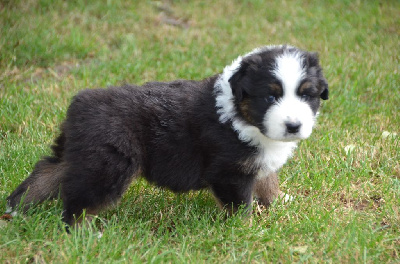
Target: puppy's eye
(305, 97)
(270, 99)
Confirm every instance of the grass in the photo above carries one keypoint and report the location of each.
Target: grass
(347, 206)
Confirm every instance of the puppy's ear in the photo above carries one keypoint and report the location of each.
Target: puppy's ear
(240, 80)
(313, 61)
(325, 91)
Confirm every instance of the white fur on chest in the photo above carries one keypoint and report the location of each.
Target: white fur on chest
(273, 155)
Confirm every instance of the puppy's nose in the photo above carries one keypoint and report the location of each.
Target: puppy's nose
(293, 127)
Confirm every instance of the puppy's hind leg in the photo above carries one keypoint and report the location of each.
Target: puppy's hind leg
(42, 184)
(94, 186)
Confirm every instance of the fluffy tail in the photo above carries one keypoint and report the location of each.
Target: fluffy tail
(44, 181)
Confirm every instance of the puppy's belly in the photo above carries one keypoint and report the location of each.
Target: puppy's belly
(178, 182)
(181, 177)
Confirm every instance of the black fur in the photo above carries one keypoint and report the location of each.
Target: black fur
(167, 131)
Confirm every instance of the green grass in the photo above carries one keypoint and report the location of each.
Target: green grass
(347, 206)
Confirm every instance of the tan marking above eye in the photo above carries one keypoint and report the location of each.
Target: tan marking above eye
(304, 86)
(275, 87)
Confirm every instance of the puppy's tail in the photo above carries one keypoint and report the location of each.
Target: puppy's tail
(44, 181)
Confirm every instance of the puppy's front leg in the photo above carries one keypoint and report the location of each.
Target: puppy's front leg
(266, 189)
(231, 196)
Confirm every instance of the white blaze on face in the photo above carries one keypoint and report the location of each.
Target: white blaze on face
(290, 107)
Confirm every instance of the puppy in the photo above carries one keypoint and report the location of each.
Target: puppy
(229, 133)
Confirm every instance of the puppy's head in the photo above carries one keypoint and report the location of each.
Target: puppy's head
(278, 89)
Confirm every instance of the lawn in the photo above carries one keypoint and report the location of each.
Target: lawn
(345, 177)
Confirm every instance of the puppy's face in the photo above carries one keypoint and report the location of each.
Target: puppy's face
(279, 91)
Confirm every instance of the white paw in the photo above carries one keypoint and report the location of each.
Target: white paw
(10, 211)
(285, 198)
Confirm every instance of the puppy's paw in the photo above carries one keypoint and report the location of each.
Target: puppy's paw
(285, 198)
(9, 214)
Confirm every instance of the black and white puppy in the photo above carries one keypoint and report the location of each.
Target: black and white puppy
(229, 133)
